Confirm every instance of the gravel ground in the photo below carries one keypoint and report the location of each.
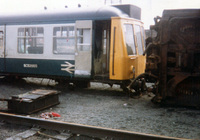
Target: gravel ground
(101, 105)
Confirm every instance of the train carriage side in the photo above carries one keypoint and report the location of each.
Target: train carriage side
(33, 50)
(78, 47)
(58, 45)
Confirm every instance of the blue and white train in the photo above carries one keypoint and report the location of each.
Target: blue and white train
(74, 45)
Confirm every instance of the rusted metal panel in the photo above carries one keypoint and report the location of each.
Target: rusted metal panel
(177, 46)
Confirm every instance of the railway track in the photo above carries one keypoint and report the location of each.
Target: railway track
(77, 130)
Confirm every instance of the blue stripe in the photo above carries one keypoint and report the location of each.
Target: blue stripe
(37, 67)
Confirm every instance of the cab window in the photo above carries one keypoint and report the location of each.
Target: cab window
(129, 39)
(139, 39)
(30, 40)
(143, 37)
(64, 40)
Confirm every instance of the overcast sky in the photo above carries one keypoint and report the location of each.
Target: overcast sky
(150, 8)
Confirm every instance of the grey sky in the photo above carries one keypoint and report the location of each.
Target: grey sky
(150, 8)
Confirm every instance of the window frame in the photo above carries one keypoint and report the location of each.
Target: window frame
(83, 43)
(70, 35)
(141, 39)
(1, 39)
(30, 35)
(134, 50)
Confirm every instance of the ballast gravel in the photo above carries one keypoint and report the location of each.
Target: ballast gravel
(105, 106)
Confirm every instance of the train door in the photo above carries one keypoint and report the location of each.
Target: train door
(2, 48)
(83, 53)
(126, 49)
(101, 52)
(140, 44)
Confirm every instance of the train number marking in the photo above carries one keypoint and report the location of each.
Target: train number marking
(30, 66)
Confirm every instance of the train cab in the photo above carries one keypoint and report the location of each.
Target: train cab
(119, 50)
(127, 45)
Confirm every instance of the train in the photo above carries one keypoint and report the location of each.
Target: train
(108, 45)
(173, 55)
(103, 44)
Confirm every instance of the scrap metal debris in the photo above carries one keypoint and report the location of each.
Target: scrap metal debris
(32, 101)
(48, 115)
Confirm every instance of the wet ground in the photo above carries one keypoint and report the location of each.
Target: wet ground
(101, 105)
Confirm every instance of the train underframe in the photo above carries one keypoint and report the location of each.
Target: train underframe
(173, 57)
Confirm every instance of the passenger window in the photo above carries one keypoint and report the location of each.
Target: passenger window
(129, 39)
(64, 40)
(31, 40)
(21, 32)
(83, 39)
(1, 39)
(64, 31)
(56, 31)
(71, 32)
(40, 31)
(139, 39)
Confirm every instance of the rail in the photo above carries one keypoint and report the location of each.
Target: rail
(86, 130)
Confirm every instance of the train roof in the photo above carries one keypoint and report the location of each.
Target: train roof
(59, 16)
